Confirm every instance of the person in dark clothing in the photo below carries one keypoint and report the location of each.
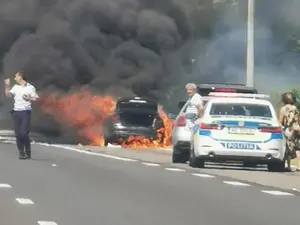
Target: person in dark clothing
(23, 94)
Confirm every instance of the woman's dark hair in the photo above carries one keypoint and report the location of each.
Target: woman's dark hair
(295, 99)
(288, 98)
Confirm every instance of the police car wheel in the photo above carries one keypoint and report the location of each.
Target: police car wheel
(197, 163)
(276, 167)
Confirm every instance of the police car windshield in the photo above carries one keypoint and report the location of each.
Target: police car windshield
(240, 109)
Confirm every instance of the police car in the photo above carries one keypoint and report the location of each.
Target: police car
(182, 125)
(239, 128)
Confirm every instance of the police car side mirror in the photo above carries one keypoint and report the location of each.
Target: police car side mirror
(191, 116)
(172, 116)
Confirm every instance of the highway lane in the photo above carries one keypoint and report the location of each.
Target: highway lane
(72, 188)
(287, 180)
(11, 212)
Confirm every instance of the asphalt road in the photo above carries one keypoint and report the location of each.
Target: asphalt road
(66, 187)
(287, 180)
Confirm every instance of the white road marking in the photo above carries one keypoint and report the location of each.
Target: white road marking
(202, 175)
(114, 146)
(54, 165)
(47, 223)
(175, 169)
(150, 164)
(5, 186)
(24, 201)
(235, 183)
(8, 141)
(277, 193)
(89, 153)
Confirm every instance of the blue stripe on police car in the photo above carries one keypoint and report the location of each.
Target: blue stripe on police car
(207, 133)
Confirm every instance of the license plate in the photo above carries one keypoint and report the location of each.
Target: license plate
(241, 130)
(245, 146)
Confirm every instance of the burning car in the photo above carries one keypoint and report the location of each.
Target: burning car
(133, 117)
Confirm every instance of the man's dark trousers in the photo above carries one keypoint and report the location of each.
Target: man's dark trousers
(22, 129)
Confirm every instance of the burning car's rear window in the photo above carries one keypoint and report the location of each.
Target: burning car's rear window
(136, 104)
(241, 109)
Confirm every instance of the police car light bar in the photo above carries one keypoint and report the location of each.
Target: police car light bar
(237, 95)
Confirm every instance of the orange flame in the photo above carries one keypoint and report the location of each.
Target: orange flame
(86, 113)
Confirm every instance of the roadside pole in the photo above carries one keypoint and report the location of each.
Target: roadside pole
(250, 45)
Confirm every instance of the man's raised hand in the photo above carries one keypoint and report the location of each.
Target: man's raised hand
(7, 81)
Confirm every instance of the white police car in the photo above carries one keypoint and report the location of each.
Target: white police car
(238, 127)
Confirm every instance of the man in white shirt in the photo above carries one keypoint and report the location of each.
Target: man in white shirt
(195, 104)
(23, 94)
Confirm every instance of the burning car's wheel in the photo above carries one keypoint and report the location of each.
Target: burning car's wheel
(107, 134)
(106, 142)
(109, 140)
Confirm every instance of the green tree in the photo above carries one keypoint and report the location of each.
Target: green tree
(275, 98)
(296, 92)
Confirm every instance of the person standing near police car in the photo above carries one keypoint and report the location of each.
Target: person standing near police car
(23, 94)
(195, 104)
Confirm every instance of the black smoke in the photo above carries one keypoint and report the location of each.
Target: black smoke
(103, 43)
(128, 47)
(116, 47)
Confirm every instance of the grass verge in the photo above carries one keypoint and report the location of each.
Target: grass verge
(294, 162)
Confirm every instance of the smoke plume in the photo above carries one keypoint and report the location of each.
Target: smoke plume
(138, 47)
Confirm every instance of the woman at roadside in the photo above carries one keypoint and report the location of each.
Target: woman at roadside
(297, 144)
(288, 117)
